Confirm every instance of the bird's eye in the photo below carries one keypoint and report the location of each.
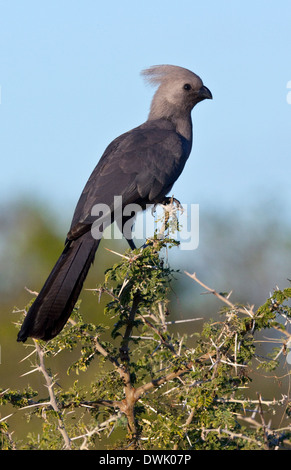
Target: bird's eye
(187, 87)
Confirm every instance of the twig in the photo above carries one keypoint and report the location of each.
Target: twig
(161, 380)
(233, 435)
(186, 425)
(221, 297)
(105, 354)
(96, 430)
(53, 401)
(265, 429)
(31, 291)
(249, 401)
(163, 341)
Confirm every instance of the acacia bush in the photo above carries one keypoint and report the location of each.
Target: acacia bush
(156, 389)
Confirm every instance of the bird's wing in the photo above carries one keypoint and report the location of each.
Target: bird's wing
(140, 166)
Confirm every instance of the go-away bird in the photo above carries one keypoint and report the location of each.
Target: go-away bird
(139, 167)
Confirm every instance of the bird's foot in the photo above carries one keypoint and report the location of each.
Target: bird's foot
(168, 201)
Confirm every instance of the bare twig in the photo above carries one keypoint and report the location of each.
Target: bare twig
(98, 429)
(224, 299)
(186, 425)
(264, 426)
(232, 435)
(53, 400)
(31, 291)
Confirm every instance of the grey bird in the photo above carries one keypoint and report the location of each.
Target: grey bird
(140, 167)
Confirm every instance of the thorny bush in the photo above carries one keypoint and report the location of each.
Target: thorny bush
(155, 389)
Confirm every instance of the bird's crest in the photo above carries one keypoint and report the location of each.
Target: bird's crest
(157, 74)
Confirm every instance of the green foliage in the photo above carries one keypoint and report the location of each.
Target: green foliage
(155, 389)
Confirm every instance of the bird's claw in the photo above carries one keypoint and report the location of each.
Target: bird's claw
(166, 202)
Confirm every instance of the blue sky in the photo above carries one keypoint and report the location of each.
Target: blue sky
(70, 83)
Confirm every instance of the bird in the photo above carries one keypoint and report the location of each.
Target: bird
(140, 167)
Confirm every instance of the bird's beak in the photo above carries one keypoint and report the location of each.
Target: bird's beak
(204, 93)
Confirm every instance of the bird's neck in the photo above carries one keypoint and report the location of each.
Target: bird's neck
(183, 125)
(161, 108)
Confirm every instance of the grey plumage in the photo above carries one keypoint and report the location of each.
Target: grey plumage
(170, 100)
(141, 166)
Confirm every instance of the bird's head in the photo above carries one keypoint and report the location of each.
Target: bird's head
(179, 90)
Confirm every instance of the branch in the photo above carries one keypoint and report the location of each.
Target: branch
(124, 349)
(264, 426)
(127, 405)
(232, 435)
(96, 430)
(160, 381)
(163, 341)
(53, 401)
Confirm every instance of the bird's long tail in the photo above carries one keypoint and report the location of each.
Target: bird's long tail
(55, 302)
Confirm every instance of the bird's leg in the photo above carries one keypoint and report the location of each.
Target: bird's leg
(127, 233)
(167, 201)
(169, 211)
(131, 243)
(172, 200)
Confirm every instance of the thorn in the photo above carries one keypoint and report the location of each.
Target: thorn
(31, 291)
(30, 372)
(118, 254)
(30, 354)
(5, 417)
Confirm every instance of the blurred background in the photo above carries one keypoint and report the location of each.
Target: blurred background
(70, 83)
